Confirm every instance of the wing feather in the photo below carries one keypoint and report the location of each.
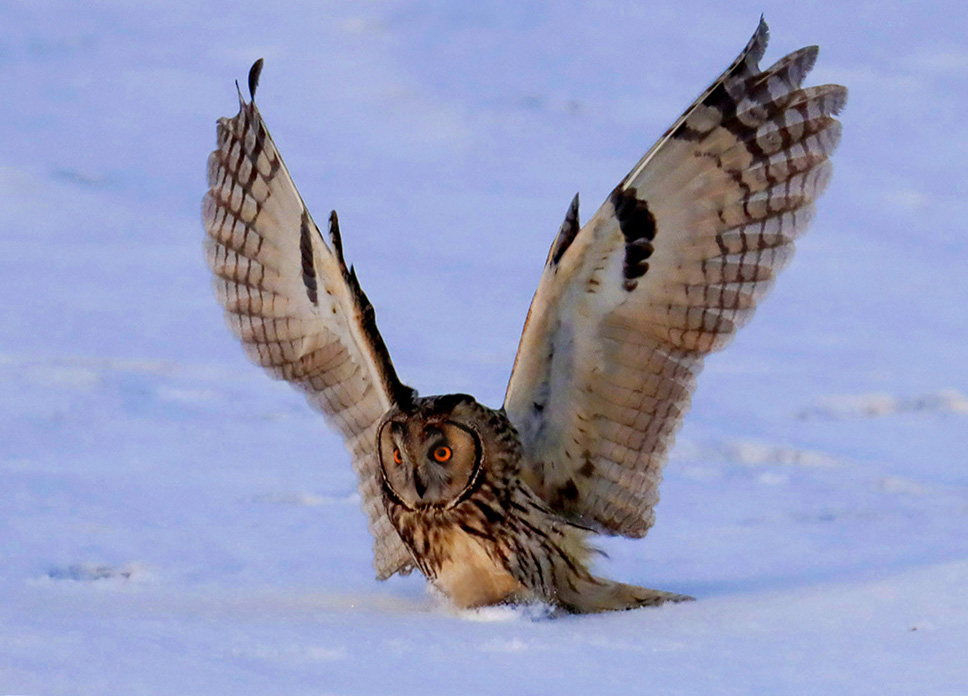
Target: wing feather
(665, 272)
(299, 313)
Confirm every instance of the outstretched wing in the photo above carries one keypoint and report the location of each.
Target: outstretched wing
(666, 271)
(299, 312)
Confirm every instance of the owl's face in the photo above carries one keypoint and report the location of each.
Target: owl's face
(431, 452)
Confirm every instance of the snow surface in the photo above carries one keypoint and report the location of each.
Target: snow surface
(173, 522)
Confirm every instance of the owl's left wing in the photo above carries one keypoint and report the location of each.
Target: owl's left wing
(666, 271)
(298, 310)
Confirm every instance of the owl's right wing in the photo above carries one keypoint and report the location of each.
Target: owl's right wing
(298, 310)
(666, 271)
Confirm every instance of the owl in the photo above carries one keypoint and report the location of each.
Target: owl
(499, 505)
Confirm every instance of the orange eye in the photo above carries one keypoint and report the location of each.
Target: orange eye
(443, 453)
(397, 457)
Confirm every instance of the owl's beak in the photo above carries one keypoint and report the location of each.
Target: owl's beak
(418, 483)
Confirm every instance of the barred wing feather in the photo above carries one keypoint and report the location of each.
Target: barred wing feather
(297, 309)
(665, 272)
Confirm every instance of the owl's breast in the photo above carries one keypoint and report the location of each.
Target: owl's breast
(471, 577)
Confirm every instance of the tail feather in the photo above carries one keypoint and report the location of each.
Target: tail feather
(594, 595)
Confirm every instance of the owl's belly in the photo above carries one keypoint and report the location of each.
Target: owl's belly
(471, 578)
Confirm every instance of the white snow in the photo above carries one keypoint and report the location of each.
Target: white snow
(173, 522)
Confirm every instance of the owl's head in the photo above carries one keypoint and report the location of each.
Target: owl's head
(436, 451)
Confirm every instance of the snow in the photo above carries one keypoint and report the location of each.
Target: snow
(171, 521)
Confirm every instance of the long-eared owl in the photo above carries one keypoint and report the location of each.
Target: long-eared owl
(497, 505)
